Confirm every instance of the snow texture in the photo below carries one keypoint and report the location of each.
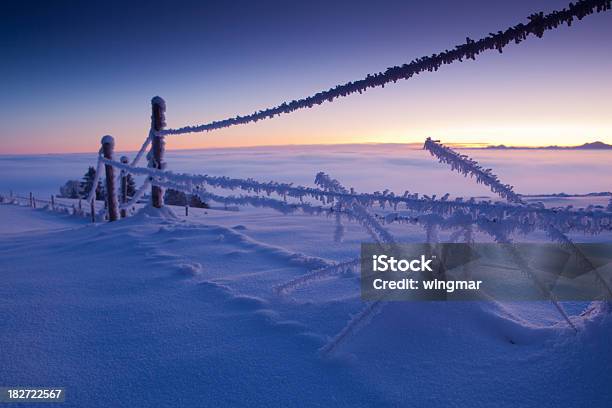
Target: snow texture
(169, 305)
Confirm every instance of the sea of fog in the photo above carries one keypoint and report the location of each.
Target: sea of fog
(370, 168)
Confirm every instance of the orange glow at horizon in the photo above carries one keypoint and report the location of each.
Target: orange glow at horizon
(546, 91)
(273, 135)
(477, 110)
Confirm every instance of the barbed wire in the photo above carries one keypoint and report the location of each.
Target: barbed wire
(538, 23)
(590, 220)
(469, 167)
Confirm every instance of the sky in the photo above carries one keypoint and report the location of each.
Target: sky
(73, 71)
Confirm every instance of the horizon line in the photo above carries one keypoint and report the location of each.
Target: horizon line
(458, 145)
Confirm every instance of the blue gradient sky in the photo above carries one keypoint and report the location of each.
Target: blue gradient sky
(72, 71)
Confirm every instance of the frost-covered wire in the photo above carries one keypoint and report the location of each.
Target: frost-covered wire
(245, 200)
(426, 220)
(357, 322)
(92, 192)
(355, 211)
(590, 220)
(367, 220)
(466, 165)
(523, 265)
(536, 25)
(143, 148)
(469, 167)
(316, 275)
(137, 195)
(557, 236)
(339, 229)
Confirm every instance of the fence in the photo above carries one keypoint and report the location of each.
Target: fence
(499, 220)
(536, 25)
(81, 208)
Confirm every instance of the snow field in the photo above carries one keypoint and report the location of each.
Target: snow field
(162, 310)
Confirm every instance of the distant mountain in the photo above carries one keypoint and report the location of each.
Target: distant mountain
(587, 146)
(594, 145)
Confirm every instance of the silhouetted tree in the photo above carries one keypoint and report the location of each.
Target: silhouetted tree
(87, 184)
(174, 197)
(70, 189)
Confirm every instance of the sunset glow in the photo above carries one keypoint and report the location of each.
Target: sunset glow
(86, 84)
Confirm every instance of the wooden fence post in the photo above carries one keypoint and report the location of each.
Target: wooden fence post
(124, 186)
(158, 122)
(92, 208)
(52, 202)
(108, 145)
(31, 201)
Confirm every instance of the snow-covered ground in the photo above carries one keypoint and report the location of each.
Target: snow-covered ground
(162, 310)
(165, 310)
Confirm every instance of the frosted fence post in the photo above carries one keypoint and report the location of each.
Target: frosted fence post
(108, 145)
(31, 201)
(158, 123)
(52, 202)
(92, 208)
(124, 175)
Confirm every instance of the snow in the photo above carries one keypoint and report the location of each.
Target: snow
(158, 100)
(21, 219)
(260, 308)
(108, 139)
(164, 310)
